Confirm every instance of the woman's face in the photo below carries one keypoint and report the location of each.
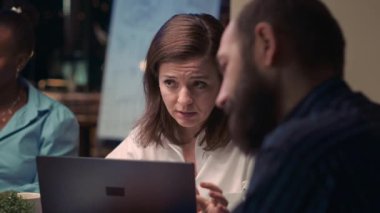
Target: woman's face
(8, 59)
(189, 90)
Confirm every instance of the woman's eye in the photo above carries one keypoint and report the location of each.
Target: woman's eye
(200, 84)
(169, 83)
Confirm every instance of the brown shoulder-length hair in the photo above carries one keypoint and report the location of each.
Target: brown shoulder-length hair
(181, 38)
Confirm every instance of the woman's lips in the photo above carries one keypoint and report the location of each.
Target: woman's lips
(186, 114)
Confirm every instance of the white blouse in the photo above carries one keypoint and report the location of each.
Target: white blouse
(227, 167)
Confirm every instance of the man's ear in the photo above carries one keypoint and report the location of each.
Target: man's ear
(265, 45)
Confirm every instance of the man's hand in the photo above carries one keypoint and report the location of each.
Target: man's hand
(217, 204)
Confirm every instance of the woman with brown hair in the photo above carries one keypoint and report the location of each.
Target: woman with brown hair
(181, 122)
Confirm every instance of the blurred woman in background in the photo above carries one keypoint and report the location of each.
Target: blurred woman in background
(31, 124)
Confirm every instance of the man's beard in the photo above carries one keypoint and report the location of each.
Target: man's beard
(251, 110)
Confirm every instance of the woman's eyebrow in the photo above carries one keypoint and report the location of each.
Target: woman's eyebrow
(168, 76)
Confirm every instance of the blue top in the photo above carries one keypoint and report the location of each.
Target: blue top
(41, 127)
(322, 158)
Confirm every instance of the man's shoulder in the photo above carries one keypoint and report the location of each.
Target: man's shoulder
(327, 131)
(337, 155)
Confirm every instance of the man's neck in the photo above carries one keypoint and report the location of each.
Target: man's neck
(295, 87)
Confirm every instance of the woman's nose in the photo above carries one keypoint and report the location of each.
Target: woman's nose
(184, 97)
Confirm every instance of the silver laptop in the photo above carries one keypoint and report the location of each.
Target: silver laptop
(81, 185)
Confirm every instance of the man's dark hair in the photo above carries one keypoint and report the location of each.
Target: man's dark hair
(307, 27)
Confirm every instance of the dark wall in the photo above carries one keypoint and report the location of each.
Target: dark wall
(65, 38)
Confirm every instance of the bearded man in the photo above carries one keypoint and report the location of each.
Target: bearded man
(316, 141)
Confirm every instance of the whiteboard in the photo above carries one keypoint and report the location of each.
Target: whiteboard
(133, 25)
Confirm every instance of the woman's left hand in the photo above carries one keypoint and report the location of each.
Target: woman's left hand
(217, 204)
